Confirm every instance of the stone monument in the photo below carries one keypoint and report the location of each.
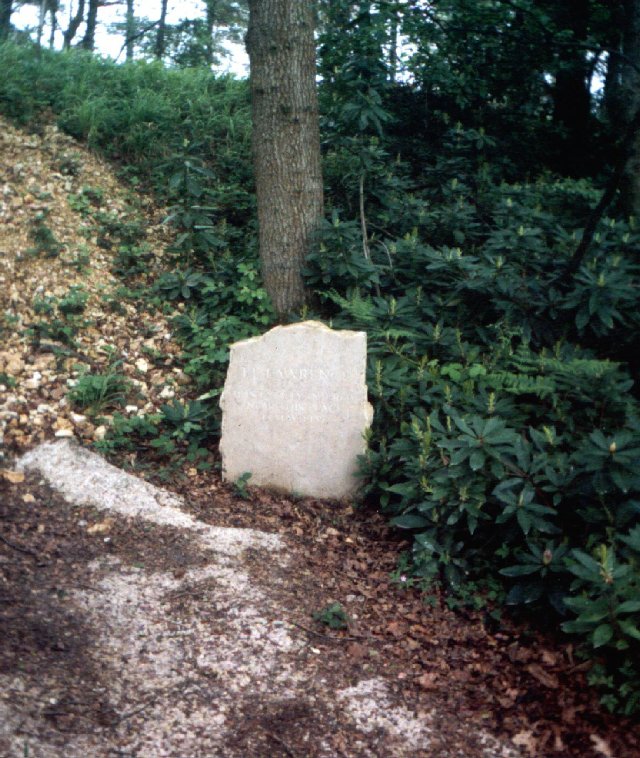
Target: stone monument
(295, 410)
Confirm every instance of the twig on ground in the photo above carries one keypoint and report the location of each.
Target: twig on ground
(175, 594)
(137, 710)
(280, 741)
(19, 548)
(351, 638)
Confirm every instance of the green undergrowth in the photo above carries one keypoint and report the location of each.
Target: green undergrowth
(506, 435)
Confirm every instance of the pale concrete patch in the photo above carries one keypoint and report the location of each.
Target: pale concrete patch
(84, 478)
(370, 706)
(187, 656)
(159, 660)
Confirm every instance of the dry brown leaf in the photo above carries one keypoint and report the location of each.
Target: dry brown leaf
(545, 678)
(15, 477)
(396, 628)
(356, 651)
(558, 742)
(527, 740)
(428, 681)
(100, 527)
(549, 658)
(600, 746)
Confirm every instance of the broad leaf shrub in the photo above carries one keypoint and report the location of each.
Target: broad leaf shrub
(506, 434)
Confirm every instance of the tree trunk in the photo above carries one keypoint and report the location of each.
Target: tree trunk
(162, 25)
(571, 96)
(286, 142)
(53, 11)
(74, 24)
(89, 39)
(630, 88)
(41, 18)
(612, 100)
(210, 23)
(394, 27)
(130, 31)
(6, 9)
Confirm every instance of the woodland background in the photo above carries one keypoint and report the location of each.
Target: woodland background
(481, 193)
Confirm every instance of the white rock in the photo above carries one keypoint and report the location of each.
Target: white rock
(142, 365)
(295, 410)
(99, 432)
(64, 433)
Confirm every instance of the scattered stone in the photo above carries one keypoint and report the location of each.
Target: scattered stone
(15, 477)
(99, 432)
(43, 362)
(11, 363)
(295, 410)
(181, 378)
(64, 433)
(157, 378)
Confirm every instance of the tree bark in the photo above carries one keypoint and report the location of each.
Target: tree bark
(612, 100)
(130, 31)
(210, 22)
(53, 18)
(162, 26)
(74, 25)
(286, 143)
(41, 18)
(630, 89)
(89, 39)
(571, 96)
(6, 9)
(394, 27)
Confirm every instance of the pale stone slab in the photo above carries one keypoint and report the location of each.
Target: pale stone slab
(295, 410)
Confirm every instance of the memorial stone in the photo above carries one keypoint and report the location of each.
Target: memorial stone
(295, 410)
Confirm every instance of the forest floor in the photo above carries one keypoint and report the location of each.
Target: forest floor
(124, 633)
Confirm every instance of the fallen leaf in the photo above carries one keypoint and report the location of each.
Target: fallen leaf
(600, 746)
(545, 678)
(356, 651)
(15, 477)
(101, 527)
(428, 681)
(526, 740)
(28, 498)
(396, 628)
(558, 742)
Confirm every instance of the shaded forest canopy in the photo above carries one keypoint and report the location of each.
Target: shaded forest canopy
(481, 224)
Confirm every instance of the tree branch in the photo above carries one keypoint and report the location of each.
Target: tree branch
(609, 193)
(137, 35)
